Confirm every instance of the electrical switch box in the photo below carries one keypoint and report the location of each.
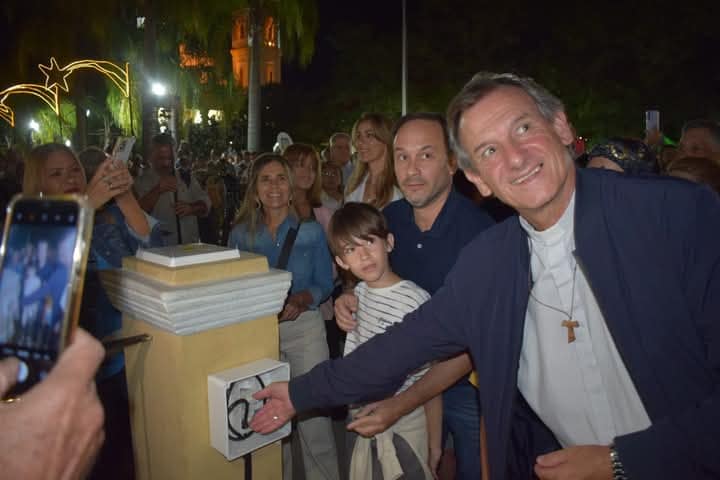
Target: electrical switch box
(232, 406)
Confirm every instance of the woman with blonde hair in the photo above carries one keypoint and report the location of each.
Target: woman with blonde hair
(120, 228)
(373, 180)
(268, 224)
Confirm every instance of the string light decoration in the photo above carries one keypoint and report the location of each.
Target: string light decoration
(47, 95)
(56, 79)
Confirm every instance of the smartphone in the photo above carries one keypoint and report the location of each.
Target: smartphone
(123, 149)
(652, 120)
(42, 267)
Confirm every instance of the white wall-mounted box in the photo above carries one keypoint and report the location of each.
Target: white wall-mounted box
(231, 406)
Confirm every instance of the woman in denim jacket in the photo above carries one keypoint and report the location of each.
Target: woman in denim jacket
(262, 226)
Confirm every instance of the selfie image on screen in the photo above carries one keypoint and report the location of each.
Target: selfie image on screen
(34, 289)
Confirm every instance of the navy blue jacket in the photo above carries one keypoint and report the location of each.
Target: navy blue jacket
(650, 249)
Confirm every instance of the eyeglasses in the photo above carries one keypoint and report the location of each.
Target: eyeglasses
(329, 173)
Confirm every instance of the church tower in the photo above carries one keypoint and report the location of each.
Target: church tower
(270, 56)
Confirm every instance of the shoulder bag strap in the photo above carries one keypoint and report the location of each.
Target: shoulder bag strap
(287, 248)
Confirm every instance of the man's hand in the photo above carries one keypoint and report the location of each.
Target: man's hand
(586, 462)
(184, 209)
(345, 305)
(167, 183)
(56, 429)
(434, 457)
(277, 411)
(654, 138)
(376, 417)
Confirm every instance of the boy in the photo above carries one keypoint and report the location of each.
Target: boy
(360, 240)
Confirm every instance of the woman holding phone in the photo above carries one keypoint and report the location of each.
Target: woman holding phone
(120, 228)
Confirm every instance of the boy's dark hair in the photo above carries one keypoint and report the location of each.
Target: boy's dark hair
(355, 220)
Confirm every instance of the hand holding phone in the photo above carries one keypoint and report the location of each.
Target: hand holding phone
(111, 179)
(123, 149)
(42, 268)
(61, 417)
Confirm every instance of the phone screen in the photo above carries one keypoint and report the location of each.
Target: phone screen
(652, 120)
(35, 284)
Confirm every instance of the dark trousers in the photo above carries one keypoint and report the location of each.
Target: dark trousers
(115, 460)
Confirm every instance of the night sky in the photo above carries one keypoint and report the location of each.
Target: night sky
(609, 61)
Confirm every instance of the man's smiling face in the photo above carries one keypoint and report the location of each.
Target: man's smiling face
(519, 155)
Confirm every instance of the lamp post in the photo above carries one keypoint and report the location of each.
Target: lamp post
(34, 128)
(404, 59)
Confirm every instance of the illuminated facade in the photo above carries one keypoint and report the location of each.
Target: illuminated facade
(270, 55)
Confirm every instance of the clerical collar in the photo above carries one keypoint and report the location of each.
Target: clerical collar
(556, 233)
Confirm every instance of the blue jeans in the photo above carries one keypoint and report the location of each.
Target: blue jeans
(461, 419)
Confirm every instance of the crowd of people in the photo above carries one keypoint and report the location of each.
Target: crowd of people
(566, 329)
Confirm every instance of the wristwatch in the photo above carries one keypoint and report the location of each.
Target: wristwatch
(618, 470)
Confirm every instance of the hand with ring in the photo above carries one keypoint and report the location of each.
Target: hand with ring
(277, 411)
(109, 181)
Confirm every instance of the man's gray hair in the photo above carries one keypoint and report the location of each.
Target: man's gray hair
(335, 136)
(481, 85)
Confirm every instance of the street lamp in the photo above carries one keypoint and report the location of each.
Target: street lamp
(34, 126)
(158, 89)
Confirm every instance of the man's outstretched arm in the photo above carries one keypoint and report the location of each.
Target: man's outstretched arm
(379, 416)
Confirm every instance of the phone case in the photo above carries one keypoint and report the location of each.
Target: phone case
(86, 215)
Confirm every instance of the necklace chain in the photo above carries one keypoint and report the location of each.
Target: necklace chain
(551, 307)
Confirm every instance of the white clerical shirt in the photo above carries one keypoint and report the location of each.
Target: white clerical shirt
(580, 390)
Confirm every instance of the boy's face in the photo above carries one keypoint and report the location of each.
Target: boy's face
(368, 259)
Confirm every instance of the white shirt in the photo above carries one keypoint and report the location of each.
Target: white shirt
(378, 309)
(358, 194)
(581, 390)
(164, 209)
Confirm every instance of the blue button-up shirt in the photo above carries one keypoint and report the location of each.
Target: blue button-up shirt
(309, 260)
(427, 257)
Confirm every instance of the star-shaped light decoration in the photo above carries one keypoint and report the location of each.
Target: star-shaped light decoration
(6, 112)
(54, 75)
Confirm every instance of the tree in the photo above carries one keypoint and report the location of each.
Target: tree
(207, 26)
(61, 38)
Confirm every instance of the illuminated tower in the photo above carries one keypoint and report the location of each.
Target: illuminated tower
(270, 70)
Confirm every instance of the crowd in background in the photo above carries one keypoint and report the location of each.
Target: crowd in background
(254, 202)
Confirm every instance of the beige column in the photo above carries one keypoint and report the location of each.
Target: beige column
(202, 319)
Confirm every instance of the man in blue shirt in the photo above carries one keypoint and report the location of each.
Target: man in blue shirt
(431, 225)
